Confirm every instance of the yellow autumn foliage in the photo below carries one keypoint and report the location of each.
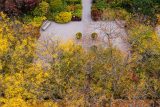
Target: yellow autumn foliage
(15, 102)
(143, 38)
(22, 78)
(76, 77)
(63, 17)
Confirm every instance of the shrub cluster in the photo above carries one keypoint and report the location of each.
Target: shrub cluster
(145, 11)
(61, 11)
(63, 17)
(48, 8)
(17, 7)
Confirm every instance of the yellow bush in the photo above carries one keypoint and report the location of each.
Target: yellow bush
(15, 102)
(63, 17)
(37, 21)
(45, 104)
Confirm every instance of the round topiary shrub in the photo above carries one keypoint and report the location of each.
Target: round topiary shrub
(78, 35)
(94, 36)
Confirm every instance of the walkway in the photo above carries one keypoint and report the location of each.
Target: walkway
(65, 32)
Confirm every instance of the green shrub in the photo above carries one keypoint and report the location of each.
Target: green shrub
(56, 5)
(42, 9)
(78, 6)
(101, 4)
(78, 35)
(73, 1)
(63, 17)
(34, 21)
(78, 13)
(146, 7)
(94, 35)
(141, 9)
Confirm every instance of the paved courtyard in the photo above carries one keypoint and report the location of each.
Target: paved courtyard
(65, 32)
